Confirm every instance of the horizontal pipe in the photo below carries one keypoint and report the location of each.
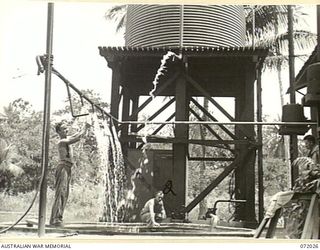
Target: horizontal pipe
(133, 138)
(217, 123)
(210, 159)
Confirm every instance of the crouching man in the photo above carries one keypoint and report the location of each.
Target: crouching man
(153, 211)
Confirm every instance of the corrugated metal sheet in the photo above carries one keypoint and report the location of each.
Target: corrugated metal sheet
(203, 25)
(192, 50)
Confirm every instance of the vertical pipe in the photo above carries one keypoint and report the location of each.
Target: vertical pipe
(318, 31)
(46, 125)
(318, 60)
(181, 25)
(293, 138)
(260, 150)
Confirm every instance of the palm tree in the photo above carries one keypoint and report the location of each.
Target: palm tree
(270, 20)
(6, 156)
(7, 152)
(117, 13)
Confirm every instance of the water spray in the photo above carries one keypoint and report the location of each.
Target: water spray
(162, 69)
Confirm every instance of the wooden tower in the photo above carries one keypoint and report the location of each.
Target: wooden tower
(201, 72)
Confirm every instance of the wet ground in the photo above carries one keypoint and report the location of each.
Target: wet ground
(103, 230)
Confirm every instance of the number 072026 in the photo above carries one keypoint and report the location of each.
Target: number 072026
(309, 246)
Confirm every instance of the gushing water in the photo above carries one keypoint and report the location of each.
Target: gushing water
(162, 69)
(117, 200)
(112, 167)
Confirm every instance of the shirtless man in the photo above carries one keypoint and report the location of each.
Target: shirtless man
(63, 171)
(153, 211)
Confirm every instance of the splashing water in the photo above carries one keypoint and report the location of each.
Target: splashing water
(118, 200)
(112, 167)
(162, 69)
(130, 203)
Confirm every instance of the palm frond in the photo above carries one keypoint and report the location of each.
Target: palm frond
(278, 44)
(4, 149)
(117, 14)
(114, 11)
(274, 16)
(121, 23)
(5, 159)
(273, 62)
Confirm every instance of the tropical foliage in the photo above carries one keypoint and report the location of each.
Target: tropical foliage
(118, 15)
(21, 132)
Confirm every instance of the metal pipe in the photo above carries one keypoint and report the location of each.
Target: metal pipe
(82, 95)
(260, 149)
(230, 201)
(217, 123)
(318, 32)
(46, 125)
(181, 26)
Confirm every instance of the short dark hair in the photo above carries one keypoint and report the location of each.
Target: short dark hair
(58, 126)
(158, 192)
(310, 138)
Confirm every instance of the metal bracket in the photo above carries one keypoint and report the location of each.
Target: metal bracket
(70, 101)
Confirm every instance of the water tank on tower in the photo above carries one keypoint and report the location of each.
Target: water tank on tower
(185, 25)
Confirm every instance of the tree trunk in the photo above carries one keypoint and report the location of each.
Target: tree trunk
(283, 152)
(285, 147)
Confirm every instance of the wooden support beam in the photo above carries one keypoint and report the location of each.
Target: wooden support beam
(134, 107)
(115, 88)
(159, 128)
(216, 104)
(214, 184)
(180, 149)
(227, 131)
(261, 227)
(162, 125)
(209, 128)
(204, 93)
(158, 112)
(125, 116)
(311, 225)
(245, 174)
(157, 92)
(273, 224)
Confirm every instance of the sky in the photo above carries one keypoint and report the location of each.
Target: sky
(79, 28)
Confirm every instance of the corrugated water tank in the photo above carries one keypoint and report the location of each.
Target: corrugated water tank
(203, 25)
